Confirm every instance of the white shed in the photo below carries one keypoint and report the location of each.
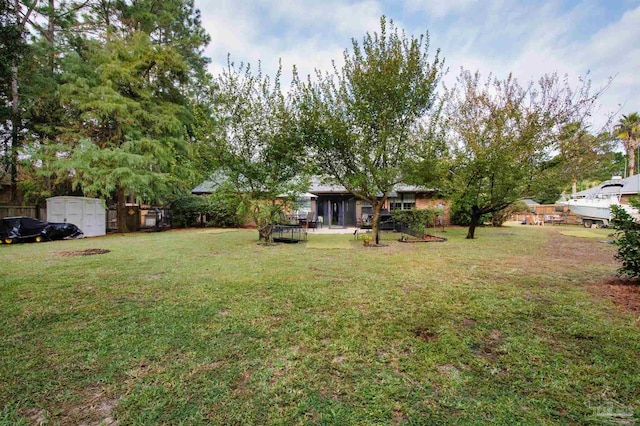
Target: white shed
(88, 214)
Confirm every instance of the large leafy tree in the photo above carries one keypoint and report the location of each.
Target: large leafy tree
(13, 19)
(55, 27)
(360, 120)
(628, 130)
(581, 152)
(501, 137)
(259, 150)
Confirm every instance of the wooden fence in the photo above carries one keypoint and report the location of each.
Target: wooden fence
(31, 211)
(547, 213)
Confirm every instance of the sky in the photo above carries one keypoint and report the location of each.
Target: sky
(596, 39)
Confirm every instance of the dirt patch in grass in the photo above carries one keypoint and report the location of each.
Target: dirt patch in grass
(624, 292)
(95, 408)
(87, 252)
(563, 251)
(468, 323)
(35, 416)
(425, 335)
(583, 249)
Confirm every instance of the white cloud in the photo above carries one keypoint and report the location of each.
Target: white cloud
(304, 33)
(530, 42)
(493, 36)
(439, 8)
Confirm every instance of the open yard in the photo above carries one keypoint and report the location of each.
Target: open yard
(521, 325)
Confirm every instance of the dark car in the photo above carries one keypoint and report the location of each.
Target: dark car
(14, 229)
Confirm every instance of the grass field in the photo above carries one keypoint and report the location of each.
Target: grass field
(193, 327)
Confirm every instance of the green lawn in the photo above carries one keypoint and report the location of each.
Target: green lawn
(193, 327)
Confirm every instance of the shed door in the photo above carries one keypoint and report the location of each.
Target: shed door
(55, 211)
(89, 224)
(74, 212)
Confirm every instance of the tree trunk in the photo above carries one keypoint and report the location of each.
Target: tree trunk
(50, 36)
(121, 211)
(374, 221)
(15, 118)
(574, 187)
(475, 221)
(632, 160)
(15, 135)
(266, 234)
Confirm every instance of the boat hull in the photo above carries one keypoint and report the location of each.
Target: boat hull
(591, 212)
(598, 210)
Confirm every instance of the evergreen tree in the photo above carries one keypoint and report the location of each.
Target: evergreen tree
(125, 89)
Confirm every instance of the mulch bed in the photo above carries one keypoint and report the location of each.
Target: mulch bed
(425, 239)
(87, 252)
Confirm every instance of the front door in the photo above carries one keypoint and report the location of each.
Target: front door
(336, 213)
(337, 210)
(349, 212)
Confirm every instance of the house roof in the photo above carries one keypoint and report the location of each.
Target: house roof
(627, 186)
(206, 187)
(317, 186)
(322, 186)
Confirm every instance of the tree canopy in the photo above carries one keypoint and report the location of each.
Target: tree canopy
(113, 99)
(628, 130)
(360, 121)
(501, 135)
(107, 105)
(258, 147)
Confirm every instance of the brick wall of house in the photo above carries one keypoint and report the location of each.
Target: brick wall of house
(424, 201)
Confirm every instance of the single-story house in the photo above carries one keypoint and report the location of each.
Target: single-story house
(332, 205)
(335, 206)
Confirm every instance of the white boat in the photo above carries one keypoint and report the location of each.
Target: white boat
(595, 208)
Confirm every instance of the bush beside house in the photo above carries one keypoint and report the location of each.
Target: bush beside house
(219, 209)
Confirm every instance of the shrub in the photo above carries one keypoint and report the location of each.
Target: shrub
(186, 210)
(416, 220)
(218, 209)
(222, 209)
(628, 242)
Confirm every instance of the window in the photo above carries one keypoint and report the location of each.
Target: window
(408, 201)
(303, 206)
(367, 209)
(402, 202)
(395, 204)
